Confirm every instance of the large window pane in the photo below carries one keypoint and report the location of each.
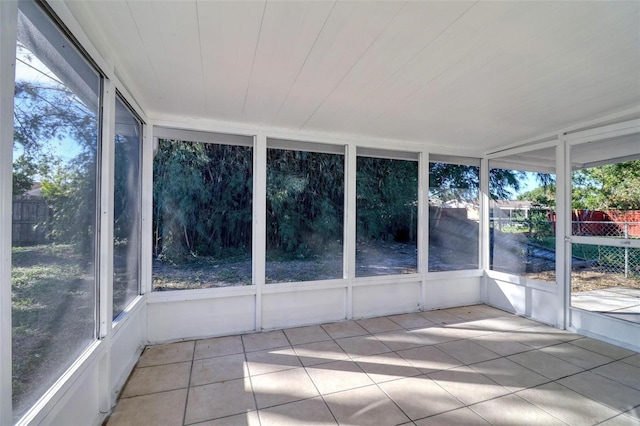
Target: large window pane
(387, 216)
(605, 199)
(522, 215)
(453, 216)
(55, 160)
(126, 224)
(606, 279)
(202, 197)
(305, 205)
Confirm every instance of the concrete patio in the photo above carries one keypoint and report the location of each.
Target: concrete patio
(616, 302)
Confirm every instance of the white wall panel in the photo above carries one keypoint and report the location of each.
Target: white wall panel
(183, 320)
(127, 343)
(612, 330)
(281, 310)
(386, 299)
(451, 292)
(533, 301)
(78, 401)
(80, 405)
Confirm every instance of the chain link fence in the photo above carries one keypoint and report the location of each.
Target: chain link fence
(623, 261)
(606, 229)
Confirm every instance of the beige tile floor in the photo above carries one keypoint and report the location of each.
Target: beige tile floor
(472, 365)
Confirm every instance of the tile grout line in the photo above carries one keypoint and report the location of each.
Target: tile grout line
(422, 374)
(253, 392)
(186, 400)
(369, 377)
(514, 393)
(426, 375)
(554, 380)
(304, 367)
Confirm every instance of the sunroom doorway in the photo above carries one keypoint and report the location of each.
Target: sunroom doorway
(605, 230)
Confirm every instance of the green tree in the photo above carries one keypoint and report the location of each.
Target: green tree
(613, 186)
(387, 199)
(55, 142)
(305, 202)
(458, 182)
(202, 200)
(543, 195)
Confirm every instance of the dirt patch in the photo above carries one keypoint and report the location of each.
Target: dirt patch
(372, 259)
(587, 280)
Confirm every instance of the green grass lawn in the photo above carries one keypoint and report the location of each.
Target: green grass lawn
(53, 309)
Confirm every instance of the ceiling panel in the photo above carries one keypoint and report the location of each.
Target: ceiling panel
(452, 46)
(470, 75)
(118, 39)
(169, 32)
(229, 33)
(524, 84)
(350, 31)
(412, 31)
(289, 32)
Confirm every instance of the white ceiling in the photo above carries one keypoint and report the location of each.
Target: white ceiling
(473, 75)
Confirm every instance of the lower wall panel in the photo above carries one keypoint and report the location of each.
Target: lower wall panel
(87, 400)
(126, 345)
(536, 303)
(452, 292)
(612, 330)
(386, 299)
(189, 319)
(281, 310)
(80, 406)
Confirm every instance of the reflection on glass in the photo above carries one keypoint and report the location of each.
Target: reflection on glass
(522, 223)
(454, 215)
(305, 209)
(126, 224)
(387, 217)
(202, 197)
(606, 279)
(53, 278)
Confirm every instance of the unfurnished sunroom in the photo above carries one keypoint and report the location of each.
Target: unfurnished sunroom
(183, 171)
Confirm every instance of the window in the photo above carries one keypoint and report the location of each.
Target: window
(127, 199)
(605, 230)
(56, 146)
(454, 213)
(522, 216)
(387, 216)
(202, 219)
(305, 213)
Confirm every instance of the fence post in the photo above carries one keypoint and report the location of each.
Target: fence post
(626, 251)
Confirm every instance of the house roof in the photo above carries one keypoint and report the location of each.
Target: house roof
(464, 75)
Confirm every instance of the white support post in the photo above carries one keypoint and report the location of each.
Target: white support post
(350, 223)
(8, 17)
(146, 228)
(423, 225)
(105, 242)
(485, 231)
(105, 237)
(259, 249)
(563, 229)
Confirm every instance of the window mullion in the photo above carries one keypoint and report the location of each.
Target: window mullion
(105, 242)
(9, 14)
